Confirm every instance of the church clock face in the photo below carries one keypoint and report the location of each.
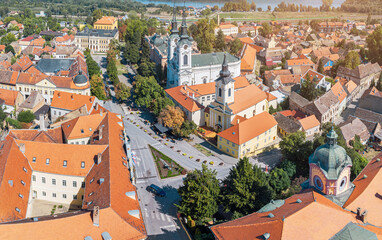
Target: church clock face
(318, 183)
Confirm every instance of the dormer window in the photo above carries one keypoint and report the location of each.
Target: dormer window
(220, 92)
(34, 159)
(25, 170)
(82, 131)
(22, 182)
(91, 180)
(82, 164)
(17, 209)
(47, 161)
(65, 163)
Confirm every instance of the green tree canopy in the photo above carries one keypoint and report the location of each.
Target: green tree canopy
(219, 41)
(204, 34)
(374, 43)
(122, 92)
(352, 60)
(199, 194)
(279, 180)
(26, 116)
(97, 87)
(235, 46)
(320, 67)
(265, 30)
(289, 167)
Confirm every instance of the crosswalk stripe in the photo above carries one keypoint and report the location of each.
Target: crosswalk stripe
(162, 216)
(168, 218)
(157, 216)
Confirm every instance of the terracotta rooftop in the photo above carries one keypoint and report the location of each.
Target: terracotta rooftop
(82, 127)
(106, 20)
(338, 90)
(309, 122)
(247, 97)
(9, 96)
(71, 101)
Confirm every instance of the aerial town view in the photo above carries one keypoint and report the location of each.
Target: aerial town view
(190, 120)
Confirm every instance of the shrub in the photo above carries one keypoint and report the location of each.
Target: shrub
(26, 116)
(14, 123)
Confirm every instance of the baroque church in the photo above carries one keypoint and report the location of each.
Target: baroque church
(187, 68)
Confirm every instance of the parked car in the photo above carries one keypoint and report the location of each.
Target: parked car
(156, 190)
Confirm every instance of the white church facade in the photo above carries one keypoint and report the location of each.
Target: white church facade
(186, 68)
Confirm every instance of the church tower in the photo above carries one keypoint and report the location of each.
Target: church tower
(184, 55)
(171, 51)
(330, 167)
(225, 85)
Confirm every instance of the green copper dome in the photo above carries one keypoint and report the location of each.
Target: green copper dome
(330, 157)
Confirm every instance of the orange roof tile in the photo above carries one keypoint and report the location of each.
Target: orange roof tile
(297, 62)
(178, 94)
(249, 129)
(82, 127)
(351, 86)
(71, 101)
(247, 97)
(313, 74)
(309, 122)
(9, 96)
(77, 225)
(56, 153)
(13, 181)
(338, 90)
(37, 42)
(105, 20)
(50, 135)
(246, 40)
(226, 26)
(270, 97)
(367, 192)
(22, 64)
(248, 59)
(209, 88)
(2, 48)
(237, 119)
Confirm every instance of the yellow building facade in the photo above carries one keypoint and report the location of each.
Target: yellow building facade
(106, 23)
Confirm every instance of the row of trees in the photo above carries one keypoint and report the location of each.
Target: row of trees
(97, 87)
(245, 190)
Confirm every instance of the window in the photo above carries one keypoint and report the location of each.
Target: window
(21, 196)
(53, 181)
(233, 152)
(229, 92)
(43, 179)
(74, 197)
(82, 131)
(33, 178)
(82, 164)
(74, 184)
(90, 203)
(185, 59)
(83, 185)
(82, 197)
(65, 163)
(220, 92)
(34, 159)
(47, 161)
(91, 180)
(219, 118)
(22, 182)
(91, 194)
(64, 195)
(227, 141)
(227, 149)
(208, 98)
(54, 195)
(233, 144)
(64, 183)
(17, 210)
(220, 146)
(44, 194)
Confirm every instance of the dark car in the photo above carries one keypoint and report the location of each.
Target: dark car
(156, 190)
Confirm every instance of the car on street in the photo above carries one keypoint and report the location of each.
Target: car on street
(156, 190)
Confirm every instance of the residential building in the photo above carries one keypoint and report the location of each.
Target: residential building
(299, 66)
(325, 108)
(33, 103)
(186, 68)
(353, 127)
(106, 23)
(227, 29)
(64, 102)
(310, 125)
(362, 75)
(286, 125)
(158, 49)
(318, 80)
(248, 59)
(341, 94)
(11, 99)
(249, 137)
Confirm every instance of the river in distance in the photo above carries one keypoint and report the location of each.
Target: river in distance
(259, 3)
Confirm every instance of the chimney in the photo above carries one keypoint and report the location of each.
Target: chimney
(96, 216)
(185, 87)
(238, 121)
(364, 216)
(99, 158)
(58, 95)
(22, 147)
(42, 122)
(96, 106)
(100, 132)
(358, 212)
(193, 96)
(100, 111)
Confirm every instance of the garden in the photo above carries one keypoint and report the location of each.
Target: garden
(165, 165)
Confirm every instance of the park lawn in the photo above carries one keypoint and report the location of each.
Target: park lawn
(121, 69)
(162, 170)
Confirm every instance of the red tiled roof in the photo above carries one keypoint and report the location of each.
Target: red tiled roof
(71, 101)
(9, 96)
(178, 94)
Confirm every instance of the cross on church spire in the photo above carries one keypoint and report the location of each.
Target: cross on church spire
(174, 24)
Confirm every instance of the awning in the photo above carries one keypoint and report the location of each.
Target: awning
(161, 128)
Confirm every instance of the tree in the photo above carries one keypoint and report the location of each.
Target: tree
(352, 60)
(172, 117)
(235, 46)
(97, 14)
(320, 67)
(308, 89)
(199, 194)
(279, 180)
(241, 188)
(204, 34)
(326, 4)
(289, 167)
(356, 143)
(26, 116)
(269, 8)
(134, 54)
(265, 30)
(8, 39)
(219, 41)
(145, 56)
(146, 68)
(122, 92)
(296, 149)
(374, 43)
(253, 6)
(97, 87)
(93, 67)
(188, 128)
(9, 48)
(3, 115)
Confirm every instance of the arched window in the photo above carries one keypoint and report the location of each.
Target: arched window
(185, 60)
(229, 92)
(220, 92)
